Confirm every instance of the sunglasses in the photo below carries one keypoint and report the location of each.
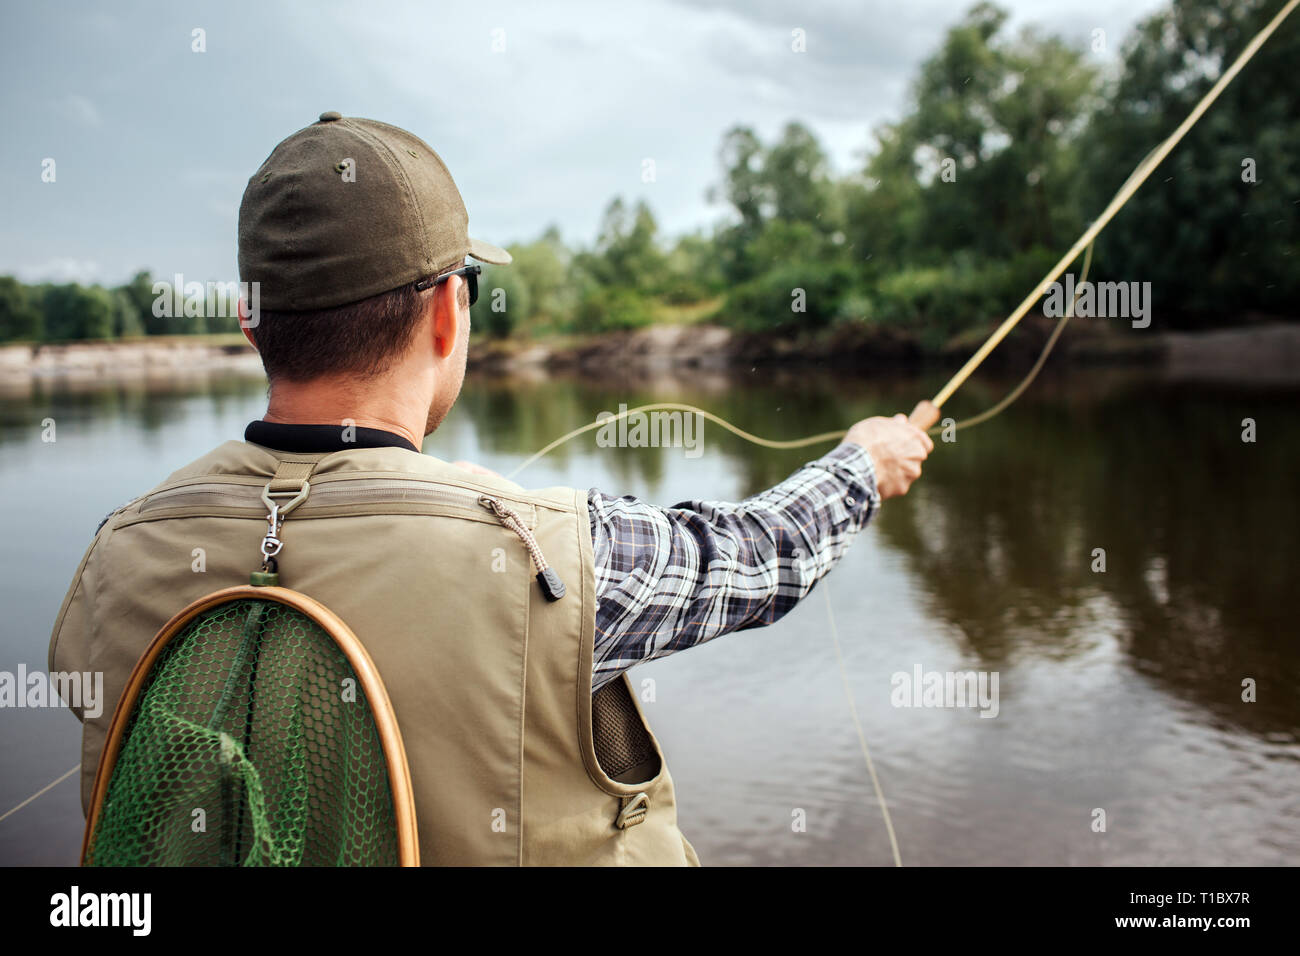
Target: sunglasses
(470, 274)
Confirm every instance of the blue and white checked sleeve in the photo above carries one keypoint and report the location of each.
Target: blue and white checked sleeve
(671, 578)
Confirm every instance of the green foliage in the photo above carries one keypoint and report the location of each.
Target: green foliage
(993, 139)
(77, 312)
(627, 254)
(504, 301)
(613, 309)
(776, 192)
(1009, 144)
(60, 313)
(692, 271)
(543, 268)
(20, 318)
(127, 320)
(939, 302)
(1210, 243)
(792, 295)
(139, 292)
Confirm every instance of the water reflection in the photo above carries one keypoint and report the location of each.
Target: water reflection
(145, 402)
(1196, 526)
(1122, 687)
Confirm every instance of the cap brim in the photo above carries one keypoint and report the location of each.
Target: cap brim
(486, 252)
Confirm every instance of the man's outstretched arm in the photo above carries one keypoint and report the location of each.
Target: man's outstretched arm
(671, 578)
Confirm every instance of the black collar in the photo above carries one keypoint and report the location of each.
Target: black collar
(313, 438)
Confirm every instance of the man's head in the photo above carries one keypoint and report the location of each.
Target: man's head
(350, 229)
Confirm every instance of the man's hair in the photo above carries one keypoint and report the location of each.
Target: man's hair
(361, 339)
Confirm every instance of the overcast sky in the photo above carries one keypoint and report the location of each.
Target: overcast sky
(154, 143)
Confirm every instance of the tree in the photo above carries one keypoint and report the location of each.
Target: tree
(77, 312)
(692, 270)
(627, 254)
(746, 190)
(993, 136)
(544, 267)
(1221, 208)
(884, 209)
(797, 179)
(20, 319)
(504, 301)
(776, 189)
(127, 321)
(139, 293)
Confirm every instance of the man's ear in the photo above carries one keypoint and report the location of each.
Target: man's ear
(244, 325)
(446, 316)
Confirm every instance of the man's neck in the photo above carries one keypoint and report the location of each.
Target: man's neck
(314, 403)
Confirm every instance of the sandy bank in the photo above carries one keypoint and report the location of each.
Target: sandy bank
(80, 360)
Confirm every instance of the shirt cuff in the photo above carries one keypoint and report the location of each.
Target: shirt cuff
(850, 462)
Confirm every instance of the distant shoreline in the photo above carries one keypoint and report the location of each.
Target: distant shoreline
(1264, 352)
(1267, 352)
(168, 355)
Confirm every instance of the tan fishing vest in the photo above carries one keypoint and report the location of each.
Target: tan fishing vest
(513, 761)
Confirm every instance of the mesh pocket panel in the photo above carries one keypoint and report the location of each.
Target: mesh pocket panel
(621, 740)
(251, 743)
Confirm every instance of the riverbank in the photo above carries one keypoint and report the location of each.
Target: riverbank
(164, 355)
(1266, 352)
(1255, 351)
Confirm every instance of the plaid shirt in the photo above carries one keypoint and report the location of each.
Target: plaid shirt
(671, 578)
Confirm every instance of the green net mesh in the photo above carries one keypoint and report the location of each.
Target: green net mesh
(251, 744)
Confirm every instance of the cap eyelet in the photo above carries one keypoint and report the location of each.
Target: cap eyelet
(414, 153)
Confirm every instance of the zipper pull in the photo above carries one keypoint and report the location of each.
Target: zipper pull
(551, 584)
(552, 587)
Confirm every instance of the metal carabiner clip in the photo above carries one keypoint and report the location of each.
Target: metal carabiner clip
(271, 544)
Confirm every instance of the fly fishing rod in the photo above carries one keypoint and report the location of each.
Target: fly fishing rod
(926, 413)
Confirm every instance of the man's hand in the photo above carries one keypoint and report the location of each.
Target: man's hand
(897, 448)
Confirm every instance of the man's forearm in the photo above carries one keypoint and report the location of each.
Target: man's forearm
(671, 578)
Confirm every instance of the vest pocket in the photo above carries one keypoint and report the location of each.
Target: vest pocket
(624, 748)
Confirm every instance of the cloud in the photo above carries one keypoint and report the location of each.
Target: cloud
(62, 269)
(548, 130)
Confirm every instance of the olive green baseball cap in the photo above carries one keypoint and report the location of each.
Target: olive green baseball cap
(348, 208)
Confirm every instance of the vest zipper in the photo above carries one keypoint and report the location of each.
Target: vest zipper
(342, 492)
(349, 491)
(549, 581)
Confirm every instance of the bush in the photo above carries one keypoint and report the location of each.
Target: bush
(77, 312)
(126, 317)
(921, 297)
(504, 302)
(20, 319)
(607, 310)
(938, 303)
(806, 295)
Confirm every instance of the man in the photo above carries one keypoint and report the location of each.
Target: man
(501, 620)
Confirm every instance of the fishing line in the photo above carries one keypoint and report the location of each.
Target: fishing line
(1037, 366)
(1117, 202)
(1084, 243)
(41, 792)
(680, 407)
(857, 725)
(785, 444)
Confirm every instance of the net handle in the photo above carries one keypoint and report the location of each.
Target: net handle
(390, 735)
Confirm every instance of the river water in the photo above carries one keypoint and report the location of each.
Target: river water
(1119, 691)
